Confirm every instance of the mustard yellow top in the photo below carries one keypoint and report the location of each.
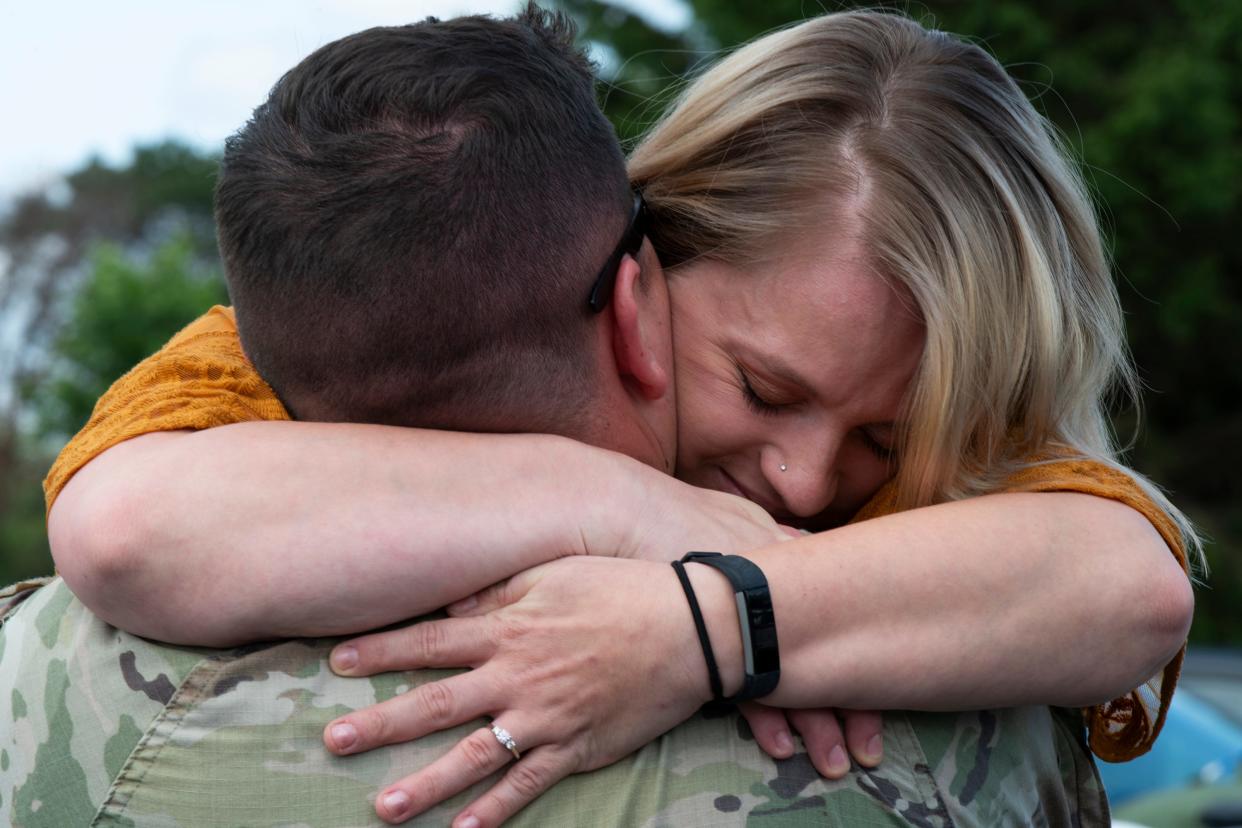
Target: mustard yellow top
(202, 378)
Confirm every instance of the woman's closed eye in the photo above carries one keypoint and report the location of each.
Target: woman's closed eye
(756, 401)
(885, 452)
(764, 403)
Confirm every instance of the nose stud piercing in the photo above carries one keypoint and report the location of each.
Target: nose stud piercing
(783, 467)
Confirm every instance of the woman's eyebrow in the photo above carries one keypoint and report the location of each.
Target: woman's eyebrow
(776, 368)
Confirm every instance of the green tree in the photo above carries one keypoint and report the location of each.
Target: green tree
(94, 276)
(126, 310)
(128, 306)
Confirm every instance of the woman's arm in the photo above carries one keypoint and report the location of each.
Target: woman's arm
(278, 529)
(1008, 599)
(1004, 600)
(1054, 598)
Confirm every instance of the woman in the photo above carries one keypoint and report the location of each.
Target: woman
(912, 156)
(958, 231)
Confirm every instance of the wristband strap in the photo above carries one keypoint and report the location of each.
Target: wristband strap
(713, 672)
(760, 650)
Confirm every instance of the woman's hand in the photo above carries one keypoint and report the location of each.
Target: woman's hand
(671, 518)
(822, 735)
(582, 660)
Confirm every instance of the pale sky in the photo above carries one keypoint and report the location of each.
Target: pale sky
(81, 76)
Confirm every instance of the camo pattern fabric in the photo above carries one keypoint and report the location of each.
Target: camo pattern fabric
(101, 728)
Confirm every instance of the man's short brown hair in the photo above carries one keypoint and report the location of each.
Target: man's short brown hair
(410, 225)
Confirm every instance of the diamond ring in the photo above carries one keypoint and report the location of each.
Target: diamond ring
(506, 740)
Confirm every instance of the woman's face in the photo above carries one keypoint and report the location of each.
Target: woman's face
(790, 377)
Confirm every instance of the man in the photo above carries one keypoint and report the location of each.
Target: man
(519, 189)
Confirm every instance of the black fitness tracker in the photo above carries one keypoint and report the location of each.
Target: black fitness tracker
(760, 652)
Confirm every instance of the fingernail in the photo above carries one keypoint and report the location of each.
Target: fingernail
(344, 657)
(464, 605)
(838, 762)
(395, 802)
(471, 821)
(784, 743)
(344, 735)
(875, 748)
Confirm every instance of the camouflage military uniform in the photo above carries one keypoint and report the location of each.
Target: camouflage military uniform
(103, 728)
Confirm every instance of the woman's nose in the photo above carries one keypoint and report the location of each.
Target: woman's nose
(807, 480)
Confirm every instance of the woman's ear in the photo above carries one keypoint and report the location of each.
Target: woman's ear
(640, 331)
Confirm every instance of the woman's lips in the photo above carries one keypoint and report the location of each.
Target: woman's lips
(732, 486)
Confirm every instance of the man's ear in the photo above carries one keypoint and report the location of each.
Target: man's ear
(639, 341)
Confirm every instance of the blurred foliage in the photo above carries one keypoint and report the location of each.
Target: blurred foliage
(23, 542)
(95, 276)
(134, 306)
(1148, 96)
(126, 308)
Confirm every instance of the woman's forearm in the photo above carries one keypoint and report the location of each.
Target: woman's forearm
(1001, 600)
(264, 530)
(279, 529)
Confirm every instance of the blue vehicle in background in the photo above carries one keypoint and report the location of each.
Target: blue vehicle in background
(1193, 774)
(1198, 745)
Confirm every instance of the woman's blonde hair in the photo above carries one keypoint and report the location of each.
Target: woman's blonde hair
(967, 200)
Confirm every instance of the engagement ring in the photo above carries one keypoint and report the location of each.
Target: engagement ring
(505, 739)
